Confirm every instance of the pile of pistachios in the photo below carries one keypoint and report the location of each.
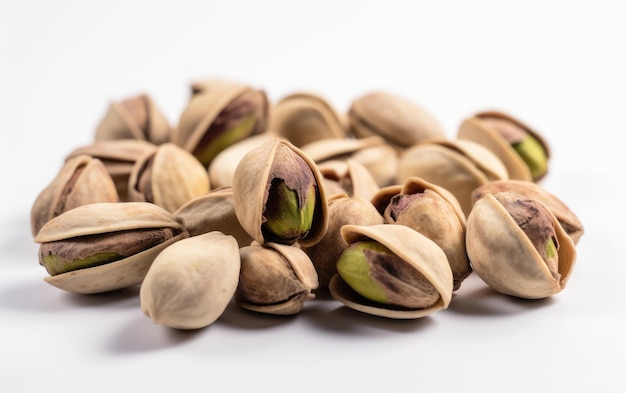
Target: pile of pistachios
(268, 204)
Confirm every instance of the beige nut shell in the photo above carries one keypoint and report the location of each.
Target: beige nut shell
(302, 267)
(458, 167)
(214, 211)
(99, 218)
(93, 185)
(177, 177)
(361, 181)
(249, 191)
(191, 282)
(397, 119)
(119, 124)
(202, 109)
(503, 256)
(477, 130)
(417, 250)
(568, 219)
(304, 117)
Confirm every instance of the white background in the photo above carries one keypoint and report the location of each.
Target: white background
(557, 65)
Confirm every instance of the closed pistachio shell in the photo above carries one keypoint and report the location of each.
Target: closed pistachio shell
(275, 279)
(302, 118)
(479, 129)
(279, 162)
(218, 117)
(191, 282)
(119, 157)
(413, 248)
(458, 167)
(82, 180)
(380, 159)
(88, 221)
(134, 118)
(505, 256)
(567, 218)
(214, 211)
(342, 210)
(398, 120)
(350, 177)
(169, 177)
(222, 168)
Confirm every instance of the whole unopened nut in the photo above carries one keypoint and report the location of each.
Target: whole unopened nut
(191, 282)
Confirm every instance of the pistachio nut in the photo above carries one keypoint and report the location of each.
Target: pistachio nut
(214, 211)
(518, 247)
(302, 118)
(279, 195)
(342, 210)
(119, 157)
(349, 177)
(459, 166)
(380, 159)
(434, 212)
(391, 271)
(522, 150)
(82, 180)
(219, 117)
(528, 189)
(169, 177)
(222, 168)
(101, 247)
(191, 282)
(399, 121)
(136, 117)
(275, 279)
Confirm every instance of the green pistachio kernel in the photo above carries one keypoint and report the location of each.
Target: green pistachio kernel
(288, 216)
(354, 267)
(533, 154)
(54, 264)
(239, 131)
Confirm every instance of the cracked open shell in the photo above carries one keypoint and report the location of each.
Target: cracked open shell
(219, 116)
(416, 251)
(478, 129)
(82, 180)
(255, 177)
(128, 234)
(508, 256)
(136, 117)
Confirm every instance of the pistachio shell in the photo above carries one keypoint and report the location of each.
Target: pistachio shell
(134, 118)
(342, 210)
(480, 131)
(504, 257)
(436, 214)
(380, 159)
(214, 211)
(191, 282)
(302, 118)
(414, 248)
(456, 167)
(351, 177)
(119, 157)
(222, 168)
(398, 120)
(81, 180)
(100, 218)
(568, 220)
(275, 279)
(175, 178)
(250, 185)
(205, 108)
